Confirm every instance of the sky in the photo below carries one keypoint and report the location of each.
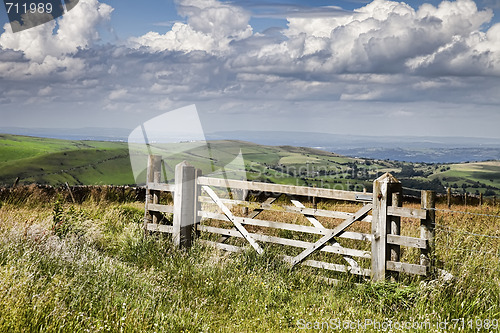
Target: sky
(382, 68)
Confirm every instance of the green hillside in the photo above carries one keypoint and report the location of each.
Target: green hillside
(53, 161)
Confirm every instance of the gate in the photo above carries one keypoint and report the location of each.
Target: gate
(373, 231)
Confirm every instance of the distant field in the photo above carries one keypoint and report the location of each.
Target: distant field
(469, 175)
(53, 161)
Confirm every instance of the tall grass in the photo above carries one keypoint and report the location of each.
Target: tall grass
(87, 267)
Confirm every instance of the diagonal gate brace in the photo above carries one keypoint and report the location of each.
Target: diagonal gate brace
(252, 215)
(360, 214)
(231, 217)
(314, 221)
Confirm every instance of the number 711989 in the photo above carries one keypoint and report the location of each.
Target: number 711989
(32, 8)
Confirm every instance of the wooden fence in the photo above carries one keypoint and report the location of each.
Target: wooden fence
(199, 208)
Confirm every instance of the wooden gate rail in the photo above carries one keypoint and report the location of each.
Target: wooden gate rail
(384, 204)
(288, 189)
(290, 209)
(233, 219)
(331, 234)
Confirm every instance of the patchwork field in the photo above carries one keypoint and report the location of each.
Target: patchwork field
(55, 162)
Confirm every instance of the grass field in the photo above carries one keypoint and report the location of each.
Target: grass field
(52, 161)
(87, 267)
(466, 175)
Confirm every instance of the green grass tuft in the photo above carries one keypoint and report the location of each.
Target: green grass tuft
(97, 272)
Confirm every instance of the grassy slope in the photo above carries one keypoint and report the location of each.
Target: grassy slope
(100, 274)
(54, 161)
(469, 174)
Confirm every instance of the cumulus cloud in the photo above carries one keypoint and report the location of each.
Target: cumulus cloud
(117, 94)
(49, 47)
(382, 37)
(476, 54)
(211, 26)
(385, 51)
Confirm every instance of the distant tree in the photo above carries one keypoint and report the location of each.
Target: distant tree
(407, 170)
(489, 193)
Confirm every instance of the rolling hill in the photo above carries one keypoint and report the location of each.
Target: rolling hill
(55, 161)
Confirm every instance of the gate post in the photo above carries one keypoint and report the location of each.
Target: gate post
(152, 175)
(395, 225)
(427, 228)
(382, 224)
(185, 205)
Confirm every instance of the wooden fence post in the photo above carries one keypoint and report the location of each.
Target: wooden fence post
(197, 205)
(382, 224)
(185, 205)
(70, 193)
(315, 206)
(397, 201)
(427, 228)
(154, 167)
(448, 192)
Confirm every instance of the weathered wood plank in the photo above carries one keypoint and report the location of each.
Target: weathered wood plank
(337, 230)
(418, 243)
(289, 209)
(309, 217)
(287, 226)
(394, 228)
(154, 165)
(353, 263)
(428, 202)
(231, 217)
(383, 189)
(285, 241)
(406, 268)
(184, 204)
(161, 187)
(311, 263)
(330, 266)
(407, 212)
(159, 227)
(222, 246)
(205, 199)
(160, 208)
(323, 213)
(277, 188)
(252, 215)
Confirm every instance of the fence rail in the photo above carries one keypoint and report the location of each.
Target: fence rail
(199, 207)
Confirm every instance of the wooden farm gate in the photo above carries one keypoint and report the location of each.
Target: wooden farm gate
(199, 208)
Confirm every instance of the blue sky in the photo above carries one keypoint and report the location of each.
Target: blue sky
(346, 67)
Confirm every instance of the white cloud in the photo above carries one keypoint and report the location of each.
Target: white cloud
(181, 38)
(48, 48)
(117, 94)
(357, 64)
(211, 27)
(476, 54)
(381, 37)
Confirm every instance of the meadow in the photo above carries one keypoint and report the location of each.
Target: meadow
(88, 267)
